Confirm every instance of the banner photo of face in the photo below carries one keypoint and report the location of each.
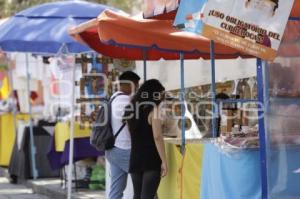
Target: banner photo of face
(265, 7)
(254, 27)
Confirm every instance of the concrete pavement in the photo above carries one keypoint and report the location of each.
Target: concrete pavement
(10, 191)
(46, 189)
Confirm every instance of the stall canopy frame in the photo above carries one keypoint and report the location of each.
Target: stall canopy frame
(79, 34)
(260, 83)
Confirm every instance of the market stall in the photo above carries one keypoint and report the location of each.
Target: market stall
(113, 38)
(7, 136)
(251, 156)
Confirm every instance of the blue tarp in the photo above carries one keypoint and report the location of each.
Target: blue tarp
(44, 28)
(236, 175)
(230, 175)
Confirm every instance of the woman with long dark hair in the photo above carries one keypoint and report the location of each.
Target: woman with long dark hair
(148, 158)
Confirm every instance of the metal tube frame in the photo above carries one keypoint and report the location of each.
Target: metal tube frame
(32, 145)
(71, 149)
(262, 134)
(213, 88)
(261, 102)
(145, 63)
(182, 100)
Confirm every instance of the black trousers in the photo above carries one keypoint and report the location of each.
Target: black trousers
(145, 184)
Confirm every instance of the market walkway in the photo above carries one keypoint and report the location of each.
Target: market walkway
(46, 189)
(9, 191)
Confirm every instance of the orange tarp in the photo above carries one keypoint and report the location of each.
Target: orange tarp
(120, 33)
(296, 9)
(88, 34)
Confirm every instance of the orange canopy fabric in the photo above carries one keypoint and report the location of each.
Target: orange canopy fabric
(88, 34)
(296, 9)
(124, 37)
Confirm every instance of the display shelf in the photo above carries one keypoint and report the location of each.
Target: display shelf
(279, 146)
(178, 141)
(243, 101)
(237, 101)
(284, 101)
(228, 147)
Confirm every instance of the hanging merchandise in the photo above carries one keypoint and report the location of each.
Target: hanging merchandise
(171, 112)
(59, 85)
(4, 88)
(124, 65)
(7, 105)
(56, 73)
(93, 85)
(61, 64)
(19, 81)
(34, 69)
(19, 73)
(37, 97)
(4, 80)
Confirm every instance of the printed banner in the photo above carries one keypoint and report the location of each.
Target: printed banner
(189, 15)
(254, 27)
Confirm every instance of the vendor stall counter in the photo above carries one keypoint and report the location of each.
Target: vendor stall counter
(58, 154)
(184, 177)
(8, 135)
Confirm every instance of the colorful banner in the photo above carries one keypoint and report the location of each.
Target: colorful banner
(254, 27)
(189, 15)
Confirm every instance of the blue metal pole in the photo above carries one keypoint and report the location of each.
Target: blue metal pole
(182, 100)
(95, 65)
(94, 58)
(213, 87)
(32, 145)
(266, 87)
(262, 135)
(145, 64)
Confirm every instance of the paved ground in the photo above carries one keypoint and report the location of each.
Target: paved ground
(52, 188)
(47, 188)
(9, 191)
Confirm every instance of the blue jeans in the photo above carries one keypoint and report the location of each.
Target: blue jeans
(119, 166)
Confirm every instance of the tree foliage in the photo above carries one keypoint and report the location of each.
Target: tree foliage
(125, 5)
(10, 7)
